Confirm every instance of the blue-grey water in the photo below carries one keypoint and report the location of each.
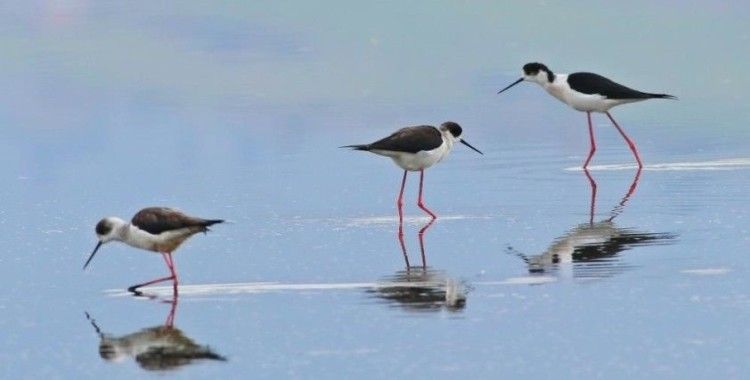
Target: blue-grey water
(237, 110)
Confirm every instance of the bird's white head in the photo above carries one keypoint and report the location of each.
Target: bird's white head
(108, 229)
(452, 132)
(534, 72)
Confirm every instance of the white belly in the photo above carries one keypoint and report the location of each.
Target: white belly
(416, 161)
(167, 241)
(580, 101)
(594, 103)
(587, 103)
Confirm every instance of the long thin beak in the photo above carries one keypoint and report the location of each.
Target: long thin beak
(469, 145)
(511, 85)
(99, 244)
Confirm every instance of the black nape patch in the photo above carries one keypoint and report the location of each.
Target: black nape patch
(535, 67)
(103, 227)
(453, 128)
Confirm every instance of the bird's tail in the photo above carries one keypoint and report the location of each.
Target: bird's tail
(661, 96)
(210, 222)
(206, 353)
(357, 147)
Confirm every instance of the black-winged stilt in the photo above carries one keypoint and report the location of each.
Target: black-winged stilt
(162, 347)
(587, 92)
(593, 247)
(157, 229)
(416, 149)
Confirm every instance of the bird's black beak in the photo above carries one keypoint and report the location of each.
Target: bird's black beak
(469, 145)
(511, 85)
(99, 244)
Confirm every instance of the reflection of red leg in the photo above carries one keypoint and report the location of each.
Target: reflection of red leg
(593, 143)
(400, 204)
(170, 318)
(403, 246)
(618, 209)
(424, 229)
(420, 203)
(633, 186)
(401, 225)
(421, 242)
(592, 203)
(630, 142)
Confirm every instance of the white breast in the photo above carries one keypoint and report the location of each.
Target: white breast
(138, 238)
(420, 160)
(166, 241)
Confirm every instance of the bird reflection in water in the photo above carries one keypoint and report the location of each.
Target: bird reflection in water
(591, 249)
(419, 288)
(159, 348)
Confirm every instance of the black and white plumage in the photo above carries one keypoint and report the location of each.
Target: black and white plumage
(422, 289)
(408, 140)
(586, 92)
(415, 149)
(156, 229)
(157, 220)
(593, 84)
(158, 348)
(593, 249)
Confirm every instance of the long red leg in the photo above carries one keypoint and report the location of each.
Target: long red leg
(158, 280)
(593, 143)
(420, 203)
(168, 260)
(630, 142)
(400, 206)
(592, 204)
(174, 273)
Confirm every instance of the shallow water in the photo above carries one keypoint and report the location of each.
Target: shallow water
(534, 268)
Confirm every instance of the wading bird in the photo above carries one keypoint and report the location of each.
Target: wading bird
(587, 92)
(416, 149)
(156, 229)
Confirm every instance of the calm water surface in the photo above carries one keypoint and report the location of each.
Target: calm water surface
(534, 269)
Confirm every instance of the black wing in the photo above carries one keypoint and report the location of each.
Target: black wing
(590, 83)
(410, 140)
(156, 220)
(626, 240)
